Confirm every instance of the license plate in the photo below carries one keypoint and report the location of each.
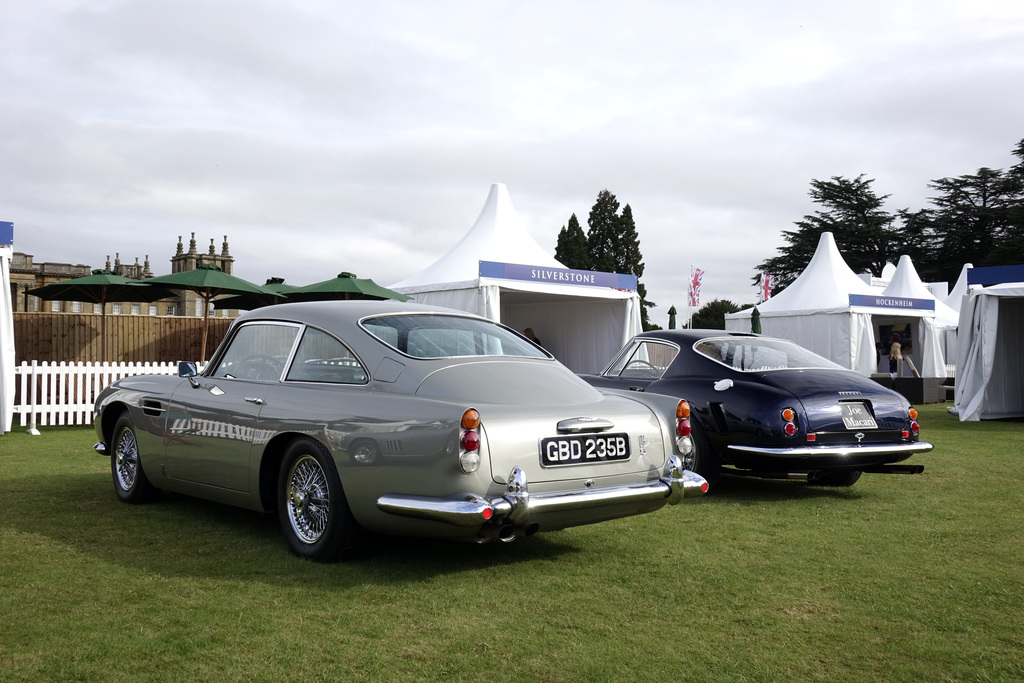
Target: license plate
(583, 448)
(857, 416)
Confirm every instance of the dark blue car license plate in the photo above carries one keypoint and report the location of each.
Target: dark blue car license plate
(583, 448)
(856, 416)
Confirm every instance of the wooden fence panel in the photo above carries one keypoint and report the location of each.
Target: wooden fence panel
(75, 337)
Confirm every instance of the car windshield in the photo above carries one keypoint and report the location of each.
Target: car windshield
(445, 336)
(758, 354)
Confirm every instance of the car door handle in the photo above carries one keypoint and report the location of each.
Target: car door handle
(254, 399)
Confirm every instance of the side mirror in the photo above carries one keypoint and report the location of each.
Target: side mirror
(188, 370)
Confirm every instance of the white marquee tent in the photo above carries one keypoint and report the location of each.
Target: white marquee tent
(6, 328)
(833, 312)
(990, 370)
(499, 271)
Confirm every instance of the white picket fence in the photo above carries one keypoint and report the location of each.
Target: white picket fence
(64, 393)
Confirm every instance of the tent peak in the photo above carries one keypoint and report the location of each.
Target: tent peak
(498, 234)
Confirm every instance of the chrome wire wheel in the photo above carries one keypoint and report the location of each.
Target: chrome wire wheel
(126, 467)
(308, 499)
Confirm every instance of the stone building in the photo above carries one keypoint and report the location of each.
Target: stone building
(26, 274)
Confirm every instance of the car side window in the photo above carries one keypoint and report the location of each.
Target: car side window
(322, 358)
(646, 360)
(257, 351)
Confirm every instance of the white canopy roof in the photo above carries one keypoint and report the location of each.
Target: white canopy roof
(497, 235)
(905, 282)
(956, 296)
(825, 285)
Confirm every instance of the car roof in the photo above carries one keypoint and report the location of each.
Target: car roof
(689, 337)
(331, 315)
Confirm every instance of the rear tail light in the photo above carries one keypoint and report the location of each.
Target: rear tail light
(682, 419)
(789, 415)
(683, 430)
(469, 442)
(912, 414)
(915, 428)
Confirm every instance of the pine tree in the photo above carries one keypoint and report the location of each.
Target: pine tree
(853, 214)
(603, 235)
(614, 245)
(571, 249)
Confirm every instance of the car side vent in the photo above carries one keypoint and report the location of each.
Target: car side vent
(392, 446)
(153, 408)
(717, 411)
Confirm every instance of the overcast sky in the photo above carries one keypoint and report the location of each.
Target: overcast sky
(330, 136)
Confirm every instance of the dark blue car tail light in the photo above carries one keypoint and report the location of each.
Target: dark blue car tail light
(789, 415)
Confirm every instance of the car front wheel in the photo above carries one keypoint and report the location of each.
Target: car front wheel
(130, 481)
(311, 505)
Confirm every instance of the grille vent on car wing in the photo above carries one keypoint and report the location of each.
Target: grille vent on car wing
(153, 408)
(717, 411)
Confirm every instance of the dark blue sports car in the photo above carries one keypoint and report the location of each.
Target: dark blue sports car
(770, 408)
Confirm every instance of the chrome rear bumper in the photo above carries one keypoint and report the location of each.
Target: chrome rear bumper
(519, 508)
(907, 449)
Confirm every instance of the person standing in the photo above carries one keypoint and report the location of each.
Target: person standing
(895, 356)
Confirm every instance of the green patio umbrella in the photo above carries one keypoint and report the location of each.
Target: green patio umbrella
(672, 318)
(209, 282)
(755, 321)
(345, 286)
(101, 287)
(247, 302)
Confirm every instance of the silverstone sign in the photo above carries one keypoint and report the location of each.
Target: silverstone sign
(562, 276)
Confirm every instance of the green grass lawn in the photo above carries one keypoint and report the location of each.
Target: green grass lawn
(915, 578)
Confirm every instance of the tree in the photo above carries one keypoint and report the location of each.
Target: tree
(614, 245)
(853, 213)
(711, 316)
(603, 233)
(571, 249)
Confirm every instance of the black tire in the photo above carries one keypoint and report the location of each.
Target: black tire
(130, 481)
(705, 461)
(311, 505)
(841, 478)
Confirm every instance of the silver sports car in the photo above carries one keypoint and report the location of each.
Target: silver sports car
(396, 418)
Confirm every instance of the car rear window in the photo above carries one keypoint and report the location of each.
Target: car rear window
(446, 336)
(758, 354)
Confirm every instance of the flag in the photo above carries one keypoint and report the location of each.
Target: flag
(767, 284)
(696, 275)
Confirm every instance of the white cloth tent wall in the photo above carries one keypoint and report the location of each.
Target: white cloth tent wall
(582, 326)
(6, 340)
(990, 370)
(815, 312)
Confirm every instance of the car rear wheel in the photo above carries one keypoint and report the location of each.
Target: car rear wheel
(130, 481)
(311, 504)
(841, 478)
(705, 461)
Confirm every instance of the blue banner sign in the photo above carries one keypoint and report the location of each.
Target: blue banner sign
(561, 276)
(880, 301)
(6, 232)
(995, 275)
